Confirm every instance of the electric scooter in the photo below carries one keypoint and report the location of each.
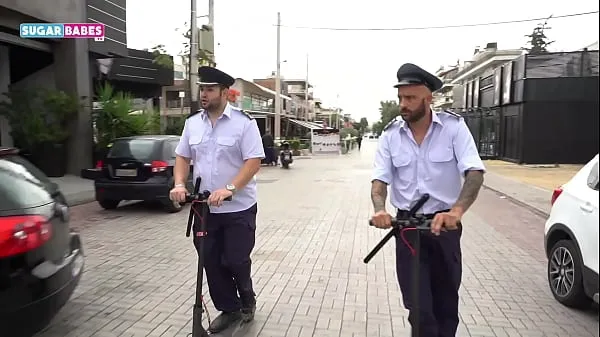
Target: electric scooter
(400, 227)
(286, 155)
(199, 210)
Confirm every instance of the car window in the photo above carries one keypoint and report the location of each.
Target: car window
(170, 149)
(138, 149)
(592, 180)
(22, 185)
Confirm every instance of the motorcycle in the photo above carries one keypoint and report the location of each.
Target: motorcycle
(285, 156)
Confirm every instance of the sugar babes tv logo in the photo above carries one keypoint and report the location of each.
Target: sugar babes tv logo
(62, 31)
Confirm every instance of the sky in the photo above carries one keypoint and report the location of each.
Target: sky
(355, 70)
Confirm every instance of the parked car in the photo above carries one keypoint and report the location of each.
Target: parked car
(571, 239)
(41, 259)
(138, 168)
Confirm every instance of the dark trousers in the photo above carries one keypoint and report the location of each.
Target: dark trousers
(440, 274)
(227, 247)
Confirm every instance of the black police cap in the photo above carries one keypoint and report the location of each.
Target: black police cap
(214, 76)
(410, 74)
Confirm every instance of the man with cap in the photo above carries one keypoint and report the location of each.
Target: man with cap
(427, 152)
(225, 146)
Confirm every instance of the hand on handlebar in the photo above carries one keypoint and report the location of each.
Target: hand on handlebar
(381, 219)
(217, 197)
(178, 194)
(445, 221)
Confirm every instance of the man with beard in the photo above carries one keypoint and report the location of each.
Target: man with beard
(427, 152)
(225, 146)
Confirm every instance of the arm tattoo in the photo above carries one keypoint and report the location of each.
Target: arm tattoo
(470, 190)
(378, 195)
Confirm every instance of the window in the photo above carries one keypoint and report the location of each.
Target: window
(22, 185)
(170, 149)
(592, 180)
(138, 149)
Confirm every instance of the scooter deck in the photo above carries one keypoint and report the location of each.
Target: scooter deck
(239, 329)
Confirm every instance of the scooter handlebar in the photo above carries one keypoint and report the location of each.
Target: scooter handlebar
(201, 197)
(419, 224)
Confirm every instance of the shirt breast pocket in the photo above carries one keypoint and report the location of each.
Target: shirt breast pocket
(403, 170)
(442, 159)
(197, 146)
(226, 147)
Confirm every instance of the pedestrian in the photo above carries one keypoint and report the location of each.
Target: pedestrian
(225, 146)
(427, 152)
(268, 146)
(359, 141)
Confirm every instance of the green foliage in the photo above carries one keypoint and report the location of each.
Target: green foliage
(388, 110)
(538, 41)
(116, 117)
(39, 116)
(377, 127)
(363, 125)
(205, 57)
(345, 132)
(176, 126)
(295, 144)
(161, 57)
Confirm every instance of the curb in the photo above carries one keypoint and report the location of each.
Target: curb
(522, 203)
(80, 198)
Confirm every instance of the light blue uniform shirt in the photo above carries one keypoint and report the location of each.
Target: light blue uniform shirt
(436, 167)
(218, 153)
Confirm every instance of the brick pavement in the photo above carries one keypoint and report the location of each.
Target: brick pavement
(310, 279)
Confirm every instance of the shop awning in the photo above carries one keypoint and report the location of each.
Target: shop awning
(309, 125)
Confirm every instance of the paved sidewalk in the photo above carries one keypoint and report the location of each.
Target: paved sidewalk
(312, 235)
(77, 190)
(527, 195)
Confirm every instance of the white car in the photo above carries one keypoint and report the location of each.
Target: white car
(571, 239)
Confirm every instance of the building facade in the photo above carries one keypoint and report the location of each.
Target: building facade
(75, 66)
(65, 64)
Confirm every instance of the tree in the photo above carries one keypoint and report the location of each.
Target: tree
(205, 57)
(161, 57)
(538, 41)
(363, 125)
(388, 110)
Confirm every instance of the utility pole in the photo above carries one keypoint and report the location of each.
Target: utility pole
(306, 92)
(194, 43)
(277, 128)
(211, 23)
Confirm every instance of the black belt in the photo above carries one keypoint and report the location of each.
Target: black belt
(403, 214)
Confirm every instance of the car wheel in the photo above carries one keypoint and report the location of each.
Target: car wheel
(172, 206)
(109, 203)
(565, 275)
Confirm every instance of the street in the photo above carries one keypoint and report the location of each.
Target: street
(312, 235)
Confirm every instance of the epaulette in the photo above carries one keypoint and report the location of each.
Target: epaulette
(194, 113)
(452, 113)
(388, 125)
(244, 112)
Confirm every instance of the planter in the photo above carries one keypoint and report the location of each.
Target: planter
(50, 158)
(296, 152)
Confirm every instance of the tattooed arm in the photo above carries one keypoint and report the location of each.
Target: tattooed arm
(470, 190)
(382, 173)
(469, 162)
(378, 195)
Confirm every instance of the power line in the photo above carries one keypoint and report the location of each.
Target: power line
(442, 27)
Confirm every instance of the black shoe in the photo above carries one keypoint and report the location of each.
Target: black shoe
(224, 321)
(248, 309)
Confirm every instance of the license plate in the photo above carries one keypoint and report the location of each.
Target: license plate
(125, 173)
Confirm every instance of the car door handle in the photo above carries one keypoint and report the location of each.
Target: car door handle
(587, 207)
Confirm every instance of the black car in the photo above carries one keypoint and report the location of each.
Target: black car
(138, 168)
(41, 259)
